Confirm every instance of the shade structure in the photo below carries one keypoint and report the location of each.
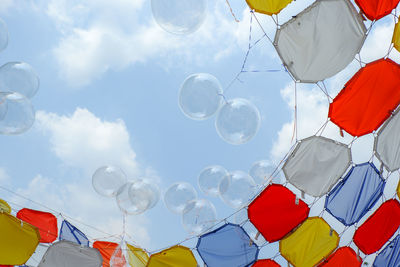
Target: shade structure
(378, 228)
(69, 232)
(343, 257)
(398, 190)
(276, 212)
(390, 255)
(18, 240)
(44, 221)
(387, 143)
(376, 9)
(268, 7)
(70, 254)
(106, 250)
(396, 36)
(356, 194)
(227, 246)
(176, 256)
(321, 40)
(137, 257)
(316, 164)
(118, 257)
(368, 98)
(266, 263)
(309, 244)
(4, 207)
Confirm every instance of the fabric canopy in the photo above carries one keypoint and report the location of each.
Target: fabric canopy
(18, 240)
(176, 256)
(357, 193)
(398, 190)
(106, 249)
(313, 241)
(268, 7)
(378, 228)
(71, 233)
(276, 212)
(137, 257)
(387, 143)
(316, 165)
(396, 36)
(343, 257)
(266, 263)
(368, 98)
(70, 254)
(4, 207)
(227, 246)
(390, 255)
(320, 41)
(376, 9)
(118, 257)
(44, 221)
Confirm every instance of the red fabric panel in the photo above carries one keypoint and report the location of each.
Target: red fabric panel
(107, 250)
(44, 221)
(378, 228)
(266, 263)
(376, 9)
(343, 257)
(275, 212)
(368, 98)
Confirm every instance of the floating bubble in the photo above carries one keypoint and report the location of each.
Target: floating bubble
(200, 96)
(178, 195)
(237, 189)
(19, 77)
(133, 206)
(144, 195)
(179, 17)
(263, 170)
(16, 114)
(210, 178)
(237, 121)
(107, 180)
(198, 216)
(118, 258)
(3, 35)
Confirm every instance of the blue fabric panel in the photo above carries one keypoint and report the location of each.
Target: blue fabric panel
(71, 233)
(357, 193)
(227, 246)
(390, 255)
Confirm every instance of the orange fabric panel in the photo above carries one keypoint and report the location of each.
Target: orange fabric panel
(376, 9)
(44, 221)
(106, 250)
(368, 98)
(266, 263)
(343, 257)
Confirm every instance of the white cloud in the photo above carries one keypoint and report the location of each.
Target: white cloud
(4, 178)
(5, 5)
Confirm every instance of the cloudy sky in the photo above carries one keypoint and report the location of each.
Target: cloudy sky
(110, 78)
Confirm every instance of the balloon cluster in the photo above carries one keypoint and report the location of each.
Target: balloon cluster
(133, 197)
(18, 84)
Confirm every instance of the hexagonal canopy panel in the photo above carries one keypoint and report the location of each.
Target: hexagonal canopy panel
(276, 212)
(268, 7)
(376, 9)
(344, 256)
(320, 41)
(316, 165)
(368, 98)
(266, 263)
(176, 256)
(313, 241)
(390, 255)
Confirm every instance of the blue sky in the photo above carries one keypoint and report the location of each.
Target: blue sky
(109, 95)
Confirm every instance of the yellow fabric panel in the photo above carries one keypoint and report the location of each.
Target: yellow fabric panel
(177, 256)
(310, 243)
(18, 240)
(137, 257)
(396, 36)
(398, 190)
(4, 207)
(268, 7)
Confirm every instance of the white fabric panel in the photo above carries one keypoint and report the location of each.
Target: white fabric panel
(69, 254)
(387, 144)
(316, 165)
(320, 41)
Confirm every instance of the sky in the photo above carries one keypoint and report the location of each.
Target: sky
(109, 83)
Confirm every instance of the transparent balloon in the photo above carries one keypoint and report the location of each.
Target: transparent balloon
(3, 35)
(106, 180)
(144, 195)
(118, 258)
(16, 114)
(179, 17)
(198, 216)
(178, 195)
(200, 96)
(19, 77)
(132, 206)
(263, 171)
(237, 189)
(210, 178)
(237, 121)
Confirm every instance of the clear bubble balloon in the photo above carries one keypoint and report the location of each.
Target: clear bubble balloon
(200, 96)
(19, 77)
(118, 258)
(107, 180)
(263, 170)
(179, 17)
(16, 114)
(132, 206)
(3, 35)
(237, 121)
(198, 216)
(144, 195)
(210, 178)
(178, 195)
(237, 189)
